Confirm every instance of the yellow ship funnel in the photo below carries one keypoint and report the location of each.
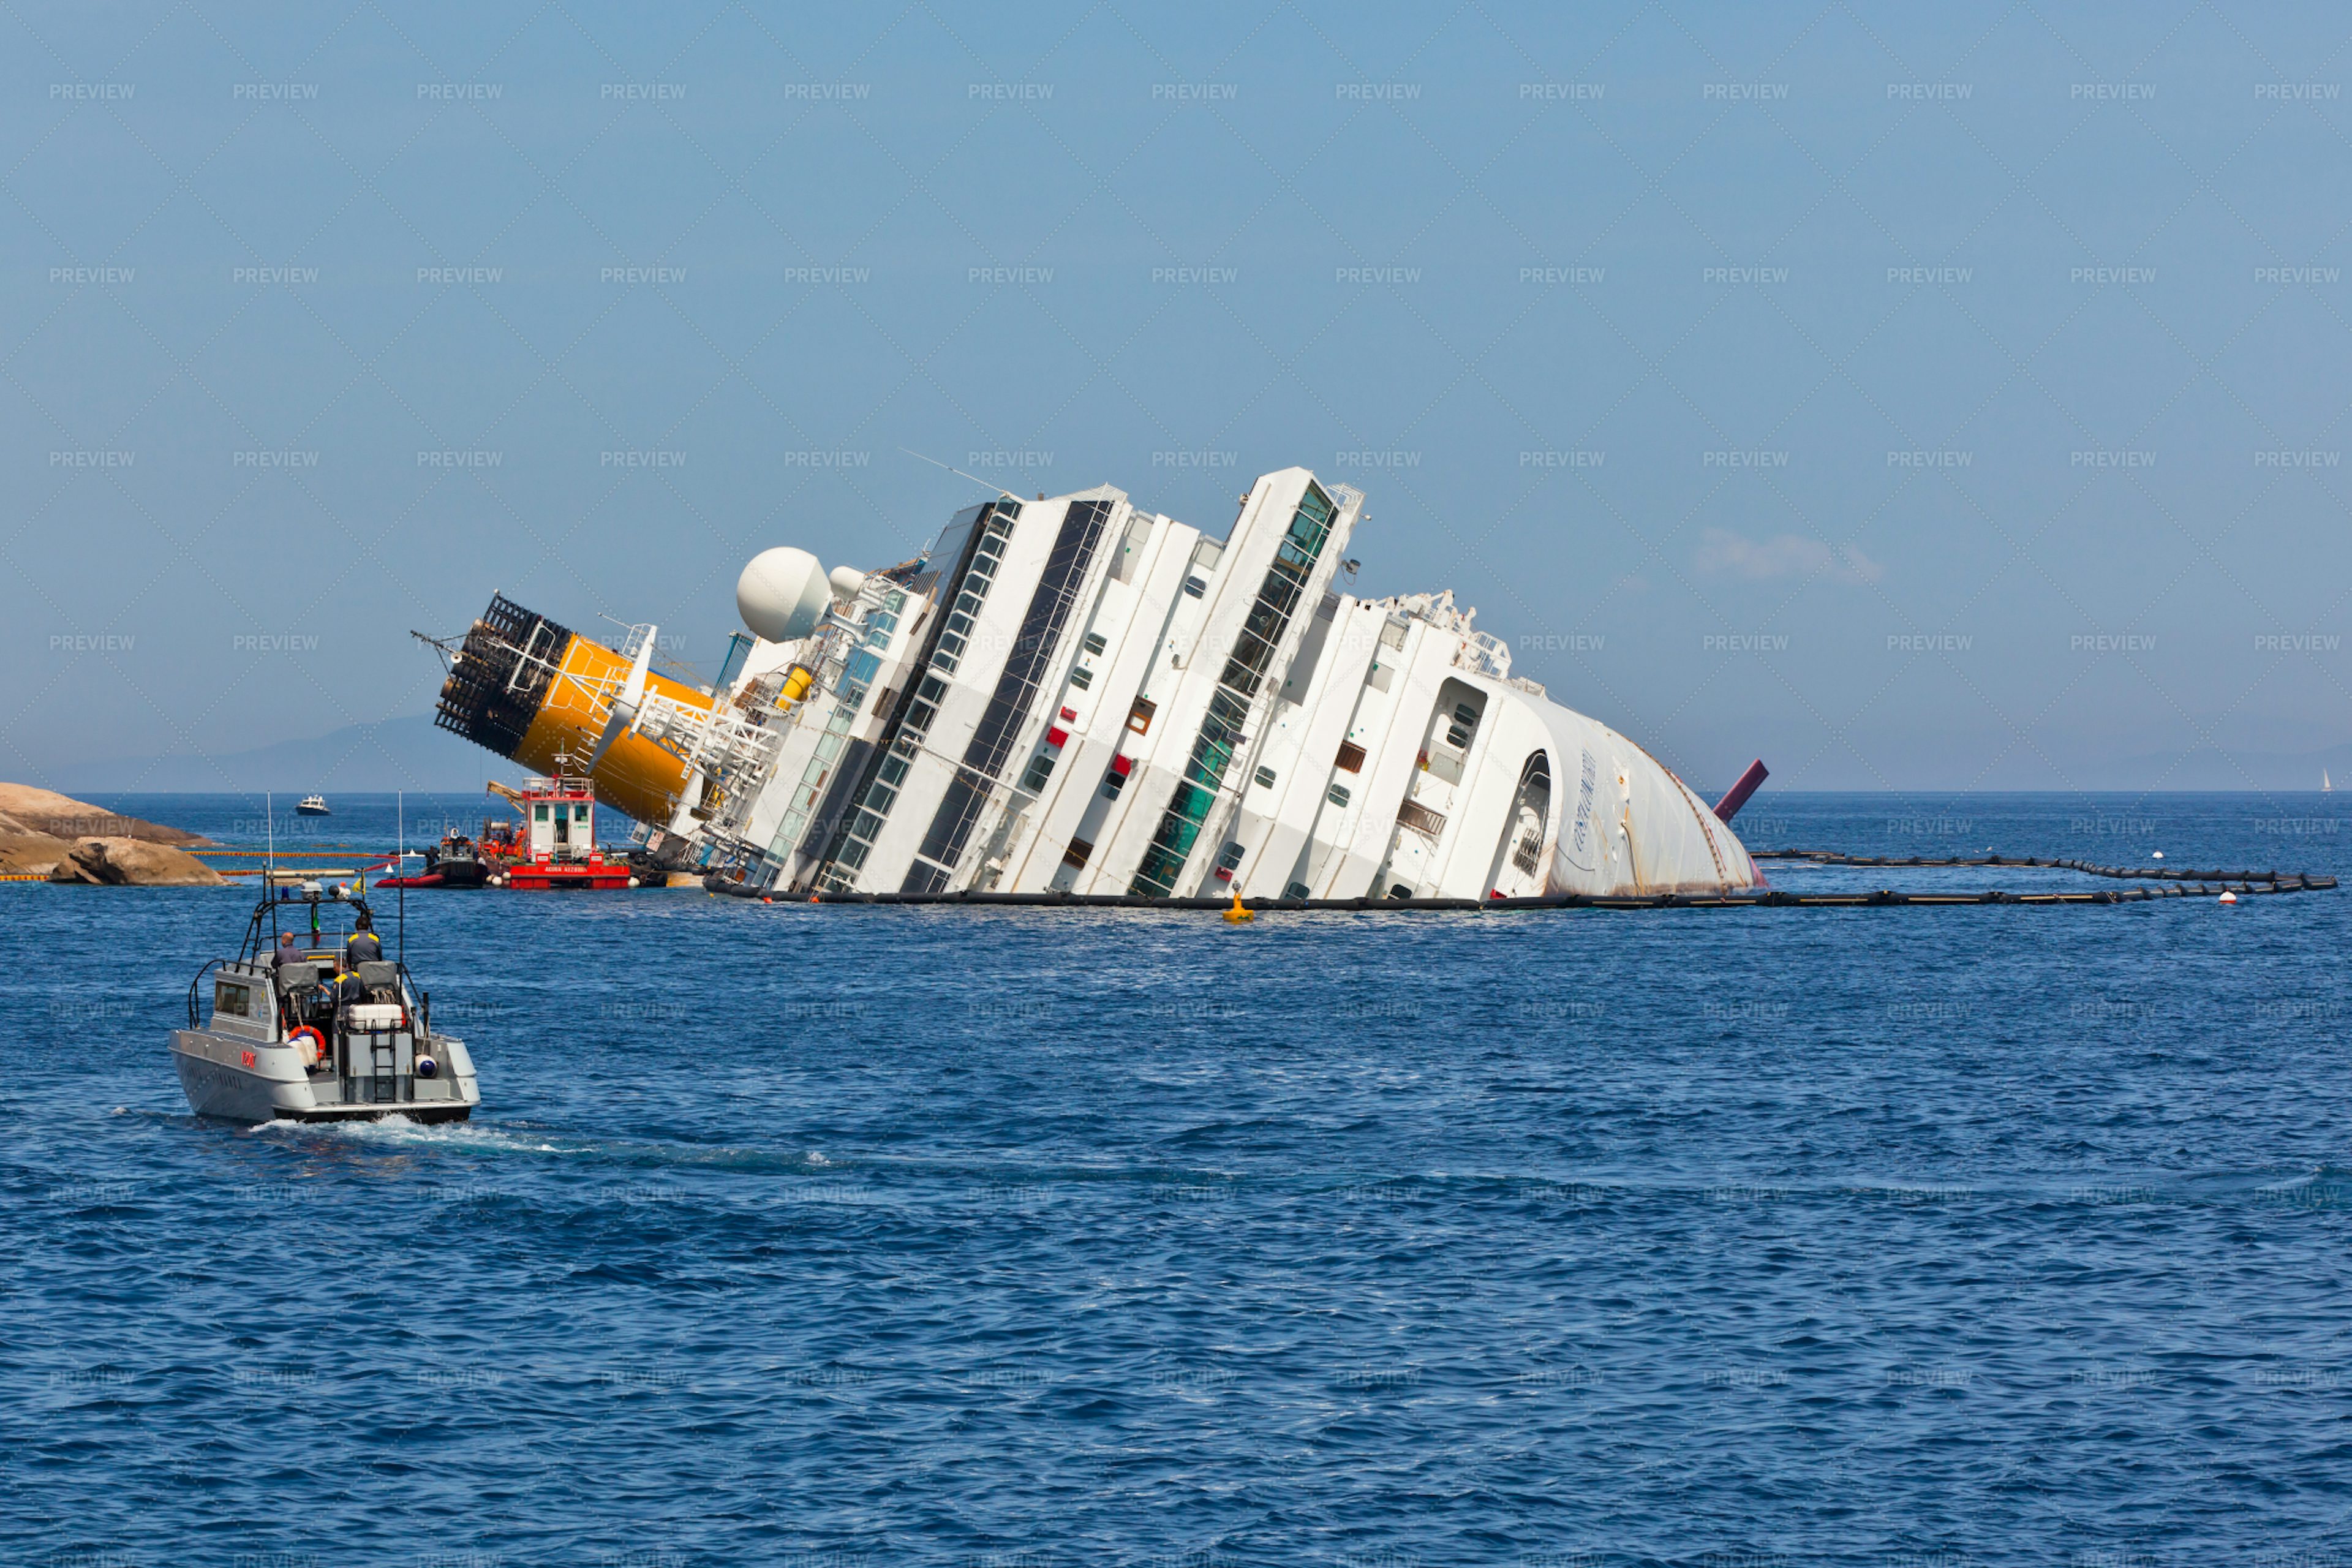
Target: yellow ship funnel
(530, 689)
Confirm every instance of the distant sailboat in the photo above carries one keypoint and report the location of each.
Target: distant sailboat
(2325, 786)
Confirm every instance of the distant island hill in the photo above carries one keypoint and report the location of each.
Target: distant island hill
(45, 834)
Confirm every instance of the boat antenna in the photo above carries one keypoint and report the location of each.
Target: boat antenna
(270, 857)
(400, 831)
(959, 473)
(449, 648)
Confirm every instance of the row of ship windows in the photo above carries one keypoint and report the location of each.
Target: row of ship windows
(1350, 759)
(953, 639)
(954, 634)
(1262, 630)
(1115, 781)
(1351, 756)
(857, 675)
(883, 793)
(1080, 676)
(1081, 851)
(1041, 767)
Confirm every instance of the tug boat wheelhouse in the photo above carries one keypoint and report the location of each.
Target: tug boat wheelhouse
(281, 1042)
(556, 846)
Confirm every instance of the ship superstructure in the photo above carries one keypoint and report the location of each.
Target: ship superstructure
(1073, 693)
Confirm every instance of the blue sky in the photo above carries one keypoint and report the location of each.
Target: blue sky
(1919, 396)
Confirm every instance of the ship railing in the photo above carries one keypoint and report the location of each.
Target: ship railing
(194, 985)
(733, 747)
(528, 656)
(417, 1004)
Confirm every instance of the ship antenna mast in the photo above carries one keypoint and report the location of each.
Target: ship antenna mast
(269, 853)
(959, 473)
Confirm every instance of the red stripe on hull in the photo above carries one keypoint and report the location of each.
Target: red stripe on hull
(541, 879)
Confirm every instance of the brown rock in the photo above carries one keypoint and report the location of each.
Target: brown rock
(27, 810)
(132, 863)
(31, 854)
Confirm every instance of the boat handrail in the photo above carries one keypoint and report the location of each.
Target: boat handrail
(199, 980)
(420, 1018)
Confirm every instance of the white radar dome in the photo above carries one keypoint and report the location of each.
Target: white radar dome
(846, 580)
(782, 595)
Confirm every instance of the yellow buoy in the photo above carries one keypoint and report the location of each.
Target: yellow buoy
(1237, 914)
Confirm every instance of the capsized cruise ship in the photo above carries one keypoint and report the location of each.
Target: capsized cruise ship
(1075, 694)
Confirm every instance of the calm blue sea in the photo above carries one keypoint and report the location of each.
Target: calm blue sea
(1915, 1239)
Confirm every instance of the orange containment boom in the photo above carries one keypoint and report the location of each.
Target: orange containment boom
(530, 689)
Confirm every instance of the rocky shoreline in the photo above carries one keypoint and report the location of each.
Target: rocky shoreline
(43, 833)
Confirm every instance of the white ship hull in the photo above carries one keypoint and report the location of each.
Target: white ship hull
(1075, 695)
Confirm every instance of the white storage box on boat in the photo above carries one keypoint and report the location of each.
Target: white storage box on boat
(376, 1018)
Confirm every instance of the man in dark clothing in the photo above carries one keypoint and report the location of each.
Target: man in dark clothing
(363, 946)
(289, 948)
(348, 991)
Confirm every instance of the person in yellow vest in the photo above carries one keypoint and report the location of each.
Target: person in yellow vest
(364, 946)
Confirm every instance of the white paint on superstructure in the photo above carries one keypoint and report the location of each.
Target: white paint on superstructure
(1384, 750)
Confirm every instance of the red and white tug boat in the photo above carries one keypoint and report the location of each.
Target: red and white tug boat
(556, 846)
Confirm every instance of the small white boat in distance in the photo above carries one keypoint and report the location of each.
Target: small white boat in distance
(312, 805)
(2326, 785)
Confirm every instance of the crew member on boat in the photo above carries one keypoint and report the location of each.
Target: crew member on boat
(364, 946)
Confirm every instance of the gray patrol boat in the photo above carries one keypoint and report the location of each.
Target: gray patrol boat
(280, 1044)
